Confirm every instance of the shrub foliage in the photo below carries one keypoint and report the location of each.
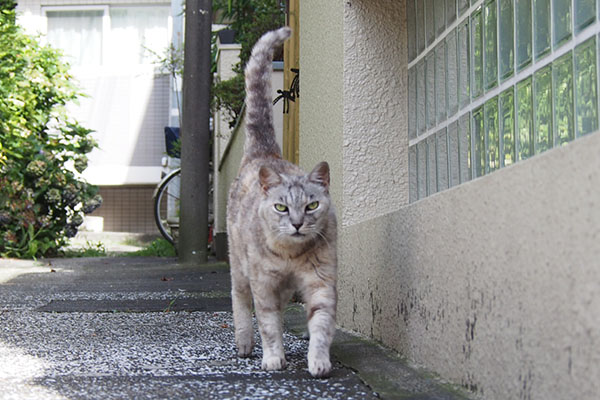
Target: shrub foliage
(42, 151)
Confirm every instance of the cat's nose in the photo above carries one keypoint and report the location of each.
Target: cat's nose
(297, 226)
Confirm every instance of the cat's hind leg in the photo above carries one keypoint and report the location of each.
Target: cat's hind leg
(241, 302)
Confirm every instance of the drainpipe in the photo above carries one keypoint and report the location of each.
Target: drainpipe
(176, 42)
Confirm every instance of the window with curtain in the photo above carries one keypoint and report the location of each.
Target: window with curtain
(494, 82)
(131, 35)
(136, 33)
(78, 33)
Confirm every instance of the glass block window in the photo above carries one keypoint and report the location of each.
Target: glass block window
(494, 82)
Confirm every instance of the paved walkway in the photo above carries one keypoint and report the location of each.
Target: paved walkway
(148, 328)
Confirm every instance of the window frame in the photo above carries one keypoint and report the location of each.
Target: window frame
(105, 24)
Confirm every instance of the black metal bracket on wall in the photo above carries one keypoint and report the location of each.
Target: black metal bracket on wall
(289, 95)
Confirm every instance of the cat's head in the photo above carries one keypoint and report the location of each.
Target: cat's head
(295, 208)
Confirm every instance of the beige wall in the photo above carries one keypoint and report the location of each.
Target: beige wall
(230, 147)
(492, 284)
(225, 165)
(228, 56)
(228, 150)
(321, 49)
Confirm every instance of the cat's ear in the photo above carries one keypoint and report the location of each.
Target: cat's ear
(320, 174)
(268, 178)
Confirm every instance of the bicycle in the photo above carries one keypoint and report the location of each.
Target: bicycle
(166, 205)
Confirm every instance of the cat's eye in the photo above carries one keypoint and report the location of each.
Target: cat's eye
(312, 206)
(281, 207)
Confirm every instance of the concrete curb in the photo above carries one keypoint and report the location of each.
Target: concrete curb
(383, 370)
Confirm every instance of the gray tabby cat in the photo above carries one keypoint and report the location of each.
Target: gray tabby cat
(282, 232)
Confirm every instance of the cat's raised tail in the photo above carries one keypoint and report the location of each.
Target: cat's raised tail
(260, 133)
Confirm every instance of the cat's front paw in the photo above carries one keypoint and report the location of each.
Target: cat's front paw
(273, 363)
(244, 350)
(319, 367)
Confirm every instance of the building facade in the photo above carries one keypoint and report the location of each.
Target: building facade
(113, 47)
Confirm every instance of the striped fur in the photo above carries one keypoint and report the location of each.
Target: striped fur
(260, 134)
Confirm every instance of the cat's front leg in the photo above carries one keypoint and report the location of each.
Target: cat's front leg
(321, 306)
(241, 301)
(268, 314)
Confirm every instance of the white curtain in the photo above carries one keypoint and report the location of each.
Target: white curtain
(78, 34)
(136, 32)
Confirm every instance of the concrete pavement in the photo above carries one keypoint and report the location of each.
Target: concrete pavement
(148, 328)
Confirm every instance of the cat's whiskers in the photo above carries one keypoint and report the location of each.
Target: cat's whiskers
(322, 235)
(281, 234)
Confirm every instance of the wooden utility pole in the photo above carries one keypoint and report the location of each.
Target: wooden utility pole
(195, 150)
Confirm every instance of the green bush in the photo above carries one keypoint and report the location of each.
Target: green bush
(229, 96)
(42, 151)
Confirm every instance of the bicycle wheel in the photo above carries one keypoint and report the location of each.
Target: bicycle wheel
(166, 206)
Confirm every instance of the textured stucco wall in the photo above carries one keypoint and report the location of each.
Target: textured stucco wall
(375, 155)
(352, 79)
(493, 284)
